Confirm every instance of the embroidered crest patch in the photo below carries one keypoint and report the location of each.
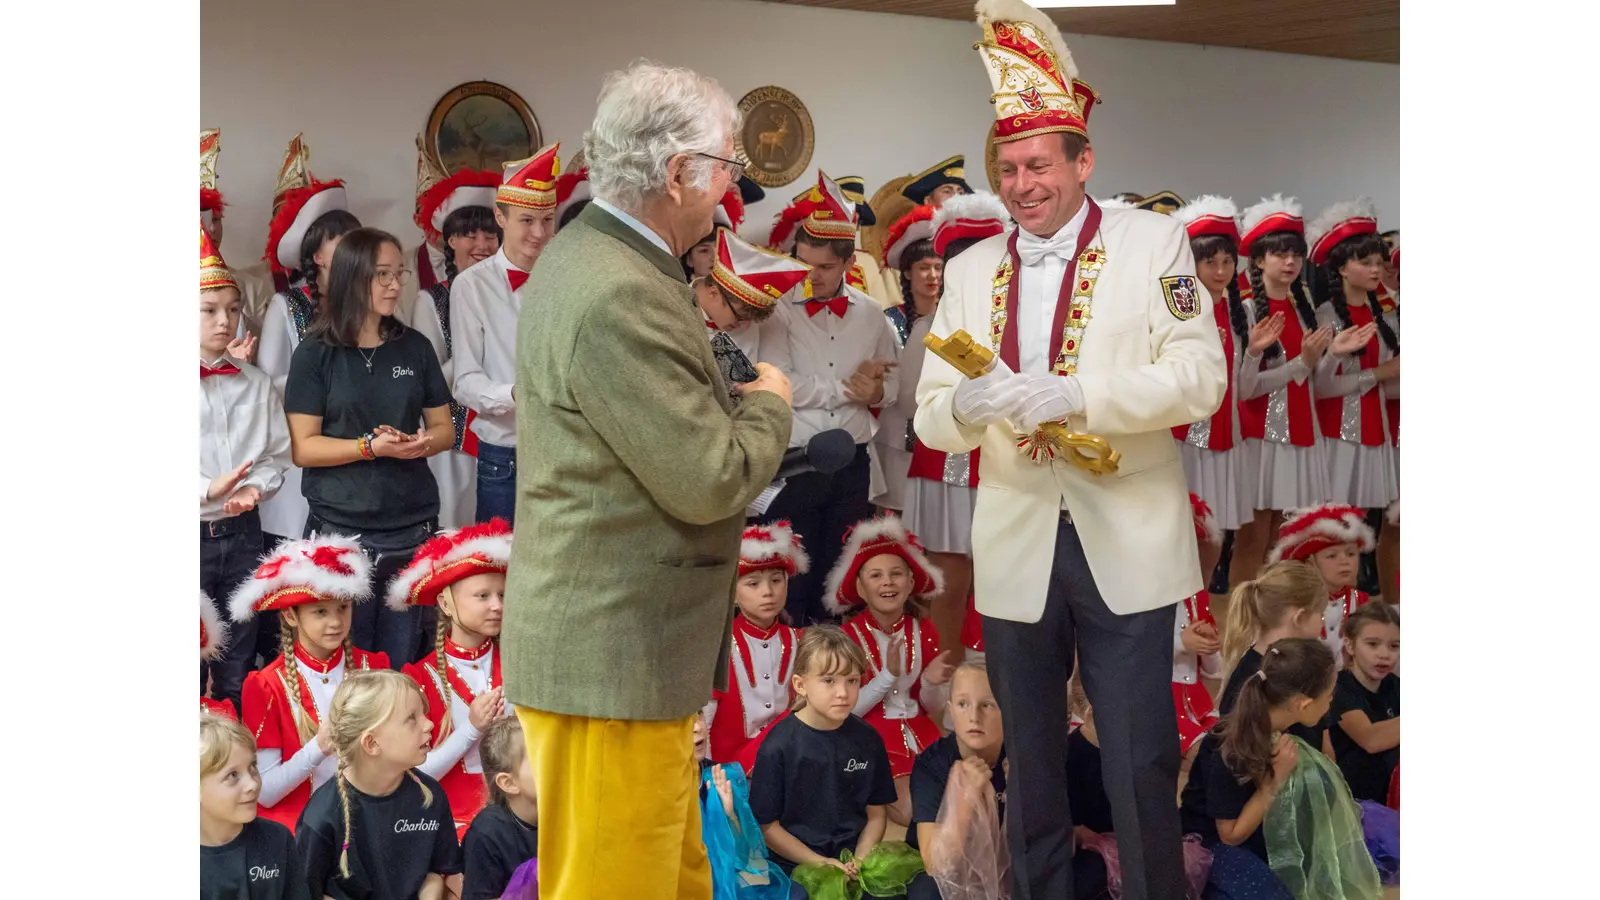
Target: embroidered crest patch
(1183, 296)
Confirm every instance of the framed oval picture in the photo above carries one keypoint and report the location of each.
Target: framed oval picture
(481, 125)
(777, 136)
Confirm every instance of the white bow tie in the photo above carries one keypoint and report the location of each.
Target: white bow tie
(1031, 248)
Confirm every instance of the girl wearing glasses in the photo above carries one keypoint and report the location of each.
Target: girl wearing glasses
(368, 403)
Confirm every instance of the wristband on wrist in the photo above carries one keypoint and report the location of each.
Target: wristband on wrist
(364, 444)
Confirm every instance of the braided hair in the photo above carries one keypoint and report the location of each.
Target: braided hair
(1279, 242)
(1329, 284)
(363, 702)
(466, 221)
(1208, 245)
(915, 252)
(303, 725)
(335, 223)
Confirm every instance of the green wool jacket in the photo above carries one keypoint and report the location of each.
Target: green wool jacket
(633, 474)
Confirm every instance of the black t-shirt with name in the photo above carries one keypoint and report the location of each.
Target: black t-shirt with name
(1249, 665)
(395, 841)
(1213, 793)
(497, 843)
(260, 864)
(930, 777)
(1367, 773)
(335, 384)
(818, 784)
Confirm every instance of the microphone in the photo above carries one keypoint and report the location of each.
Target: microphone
(826, 453)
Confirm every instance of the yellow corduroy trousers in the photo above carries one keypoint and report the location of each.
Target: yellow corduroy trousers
(619, 808)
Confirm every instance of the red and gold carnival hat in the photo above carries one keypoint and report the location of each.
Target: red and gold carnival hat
(1339, 223)
(297, 201)
(1307, 532)
(824, 212)
(774, 546)
(572, 186)
(1209, 214)
(298, 572)
(756, 276)
(447, 558)
(214, 273)
(210, 198)
(440, 194)
(1036, 86)
(914, 226)
(873, 537)
(213, 632)
(977, 215)
(531, 183)
(1275, 213)
(1205, 525)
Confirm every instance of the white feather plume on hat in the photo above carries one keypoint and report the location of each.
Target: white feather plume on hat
(1017, 11)
(1268, 206)
(213, 631)
(1206, 205)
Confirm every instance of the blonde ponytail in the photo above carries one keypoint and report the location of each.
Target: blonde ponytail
(1277, 594)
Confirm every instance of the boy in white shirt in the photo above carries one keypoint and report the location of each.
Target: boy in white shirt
(244, 449)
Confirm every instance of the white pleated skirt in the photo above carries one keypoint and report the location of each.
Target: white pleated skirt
(940, 515)
(889, 476)
(1291, 477)
(457, 475)
(1368, 477)
(1224, 479)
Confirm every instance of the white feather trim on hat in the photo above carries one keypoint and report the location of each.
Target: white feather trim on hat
(1348, 527)
(444, 550)
(214, 632)
(889, 532)
(1344, 211)
(1114, 203)
(297, 566)
(1206, 205)
(1017, 11)
(779, 543)
(978, 206)
(1393, 514)
(1277, 203)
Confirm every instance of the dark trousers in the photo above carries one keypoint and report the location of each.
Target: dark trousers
(1127, 666)
(1238, 874)
(822, 508)
(406, 636)
(497, 483)
(1367, 572)
(269, 641)
(230, 550)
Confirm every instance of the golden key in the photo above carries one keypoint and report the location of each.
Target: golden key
(1089, 452)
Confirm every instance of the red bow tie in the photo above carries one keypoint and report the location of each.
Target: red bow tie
(837, 306)
(517, 279)
(226, 368)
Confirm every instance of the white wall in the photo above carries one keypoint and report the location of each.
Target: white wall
(360, 79)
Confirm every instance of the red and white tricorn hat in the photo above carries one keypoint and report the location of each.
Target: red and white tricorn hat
(976, 215)
(531, 182)
(824, 212)
(1035, 80)
(756, 276)
(213, 632)
(572, 186)
(297, 201)
(1205, 525)
(214, 273)
(773, 546)
(447, 558)
(1307, 532)
(210, 198)
(298, 572)
(440, 194)
(1275, 213)
(1209, 215)
(1339, 223)
(914, 226)
(870, 538)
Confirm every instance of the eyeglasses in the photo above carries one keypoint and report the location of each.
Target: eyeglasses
(735, 168)
(387, 277)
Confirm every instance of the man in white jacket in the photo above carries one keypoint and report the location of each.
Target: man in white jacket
(1096, 317)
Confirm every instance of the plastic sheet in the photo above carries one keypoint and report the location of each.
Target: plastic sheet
(740, 869)
(1380, 827)
(1196, 864)
(969, 855)
(1315, 842)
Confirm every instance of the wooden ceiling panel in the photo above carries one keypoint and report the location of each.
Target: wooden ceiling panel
(1344, 29)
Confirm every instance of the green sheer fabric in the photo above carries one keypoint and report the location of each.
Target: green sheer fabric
(1315, 842)
(885, 872)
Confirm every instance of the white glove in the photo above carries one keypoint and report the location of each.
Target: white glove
(991, 398)
(1047, 398)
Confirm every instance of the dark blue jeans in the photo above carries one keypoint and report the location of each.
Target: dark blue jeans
(497, 482)
(230, 550)
(406, 636)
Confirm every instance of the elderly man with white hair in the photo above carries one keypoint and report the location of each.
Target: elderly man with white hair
(634, 473)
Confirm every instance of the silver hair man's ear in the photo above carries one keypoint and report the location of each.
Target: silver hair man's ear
(646, 115)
